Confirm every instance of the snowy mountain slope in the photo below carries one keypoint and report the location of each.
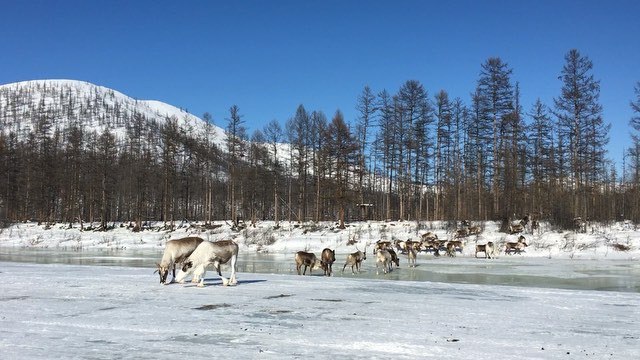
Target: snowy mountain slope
(25, 105)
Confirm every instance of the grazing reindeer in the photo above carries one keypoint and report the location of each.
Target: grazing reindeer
(307, 259)
(327, 258)
(488, 250)
(383, 257)
(176, 252)
(355, 259)
(216, 253)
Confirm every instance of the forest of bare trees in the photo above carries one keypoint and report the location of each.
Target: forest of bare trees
(409, 155)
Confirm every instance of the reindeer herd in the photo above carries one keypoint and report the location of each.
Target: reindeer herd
(194, 255)
(386, 252)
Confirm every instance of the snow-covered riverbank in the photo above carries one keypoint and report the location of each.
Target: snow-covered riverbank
(600, 241)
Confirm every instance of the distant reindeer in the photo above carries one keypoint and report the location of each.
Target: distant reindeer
(394, 258)
(381, 245)
(411, 257)
(355, 260)
(383, 259)
(327, 258)
(515, 247)
(454, 245)
(488, 250)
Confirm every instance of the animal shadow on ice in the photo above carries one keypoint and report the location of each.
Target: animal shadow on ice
(217, 282)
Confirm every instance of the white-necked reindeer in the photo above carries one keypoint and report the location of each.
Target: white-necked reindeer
(216, 253)
(176, 252)
(383, 258)
(488, 249)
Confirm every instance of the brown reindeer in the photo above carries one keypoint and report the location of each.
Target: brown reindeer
(355, 260)
(515, 247)
(327, 258)
(394, 258)
(307, 259)
(454, 245)
(429, 236)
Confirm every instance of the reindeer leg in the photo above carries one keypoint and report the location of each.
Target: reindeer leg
(201, 275)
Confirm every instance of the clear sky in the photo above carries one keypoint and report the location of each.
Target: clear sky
(268, 57)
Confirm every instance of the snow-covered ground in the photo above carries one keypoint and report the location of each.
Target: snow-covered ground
(91, 312)
(105, 312)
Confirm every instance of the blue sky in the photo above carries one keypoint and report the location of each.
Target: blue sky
(268, 57)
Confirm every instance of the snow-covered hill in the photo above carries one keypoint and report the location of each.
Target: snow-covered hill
(26, 106)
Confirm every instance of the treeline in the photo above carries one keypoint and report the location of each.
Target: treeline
(409, 155)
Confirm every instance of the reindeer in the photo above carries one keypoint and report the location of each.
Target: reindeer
(474, 230)
(383, 257)
(381, 245)
(432, 246)
(488, 250)
(414, 245)
(460, 233)
(411, 257)
(394, 258)
(355, 259)
(429, 236)
(453, 246)
(515, 247)
(327, 258)
(176, 252)
(518, 226)
(401, 245)
(307, 259)
(216, 253)
(515, 228)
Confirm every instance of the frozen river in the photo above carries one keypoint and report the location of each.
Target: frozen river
(576, 274)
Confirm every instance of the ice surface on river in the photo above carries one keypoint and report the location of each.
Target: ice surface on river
(101, 312)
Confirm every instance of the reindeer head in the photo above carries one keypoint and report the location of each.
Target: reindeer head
(187, 266)
(163, 271)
